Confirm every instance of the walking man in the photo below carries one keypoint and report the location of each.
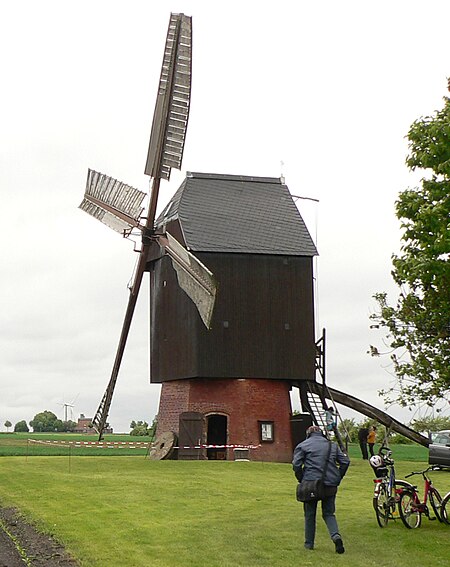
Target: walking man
(308, 464)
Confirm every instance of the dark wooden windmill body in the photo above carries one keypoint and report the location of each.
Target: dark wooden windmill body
(237, 375)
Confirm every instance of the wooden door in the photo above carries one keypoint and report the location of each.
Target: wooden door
(191, 435)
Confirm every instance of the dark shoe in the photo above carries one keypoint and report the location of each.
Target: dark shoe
(308, 546)
(339, 545)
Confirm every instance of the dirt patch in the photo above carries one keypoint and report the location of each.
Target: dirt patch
(22, 544)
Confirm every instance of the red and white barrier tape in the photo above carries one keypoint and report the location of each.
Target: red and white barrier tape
(50, 441)
(131, 445)
(218, 447)
(93, 444)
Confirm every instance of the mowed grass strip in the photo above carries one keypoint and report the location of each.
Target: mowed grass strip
(65, 444)
(135, 512)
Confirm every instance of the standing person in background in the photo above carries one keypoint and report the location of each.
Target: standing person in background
(371, 438)
(308, 464)
(362, 438)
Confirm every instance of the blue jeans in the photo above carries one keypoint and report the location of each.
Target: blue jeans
(328, 510)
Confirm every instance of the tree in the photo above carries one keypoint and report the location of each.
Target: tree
(430, 424)
(58, 426)
(348, 427)
(141, 428)
(21, 427)
(69, 426)
(418, 326)
(46, 421)
(8, 424)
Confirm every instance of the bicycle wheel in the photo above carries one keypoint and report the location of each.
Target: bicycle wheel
(381, 506)
(410, 515)
(445, 509)
(436, 502)
(400, 487)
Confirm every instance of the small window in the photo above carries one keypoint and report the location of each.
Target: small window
(266, 431)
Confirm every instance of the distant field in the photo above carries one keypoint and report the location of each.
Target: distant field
(65, 444)
(68, 444)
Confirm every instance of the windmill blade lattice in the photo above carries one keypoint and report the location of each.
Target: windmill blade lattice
(112, 202)
(173, 101)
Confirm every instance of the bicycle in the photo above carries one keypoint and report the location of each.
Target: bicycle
(387, 489)
(412, 508)
(445, 508)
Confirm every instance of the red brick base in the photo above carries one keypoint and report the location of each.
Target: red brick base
(245, 402)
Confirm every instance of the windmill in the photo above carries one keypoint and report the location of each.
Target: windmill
(119, 205)
(230, 384)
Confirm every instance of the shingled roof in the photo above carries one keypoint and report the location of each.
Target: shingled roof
(231, 213)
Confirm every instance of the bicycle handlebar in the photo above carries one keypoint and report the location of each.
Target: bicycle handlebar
(431, 468)
(384, 448)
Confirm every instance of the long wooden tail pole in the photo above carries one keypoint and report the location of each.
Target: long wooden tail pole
(99, 421)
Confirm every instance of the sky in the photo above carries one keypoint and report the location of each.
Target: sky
(321, 92)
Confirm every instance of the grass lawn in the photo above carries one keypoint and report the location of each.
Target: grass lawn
(132, 512)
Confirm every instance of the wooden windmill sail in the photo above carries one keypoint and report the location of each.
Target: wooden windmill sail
(119, 205)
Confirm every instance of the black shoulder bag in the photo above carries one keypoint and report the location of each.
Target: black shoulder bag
(310, 490)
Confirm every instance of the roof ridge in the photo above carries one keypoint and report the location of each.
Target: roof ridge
(230, 177)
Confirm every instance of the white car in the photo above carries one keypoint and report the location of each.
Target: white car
(439, 450)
